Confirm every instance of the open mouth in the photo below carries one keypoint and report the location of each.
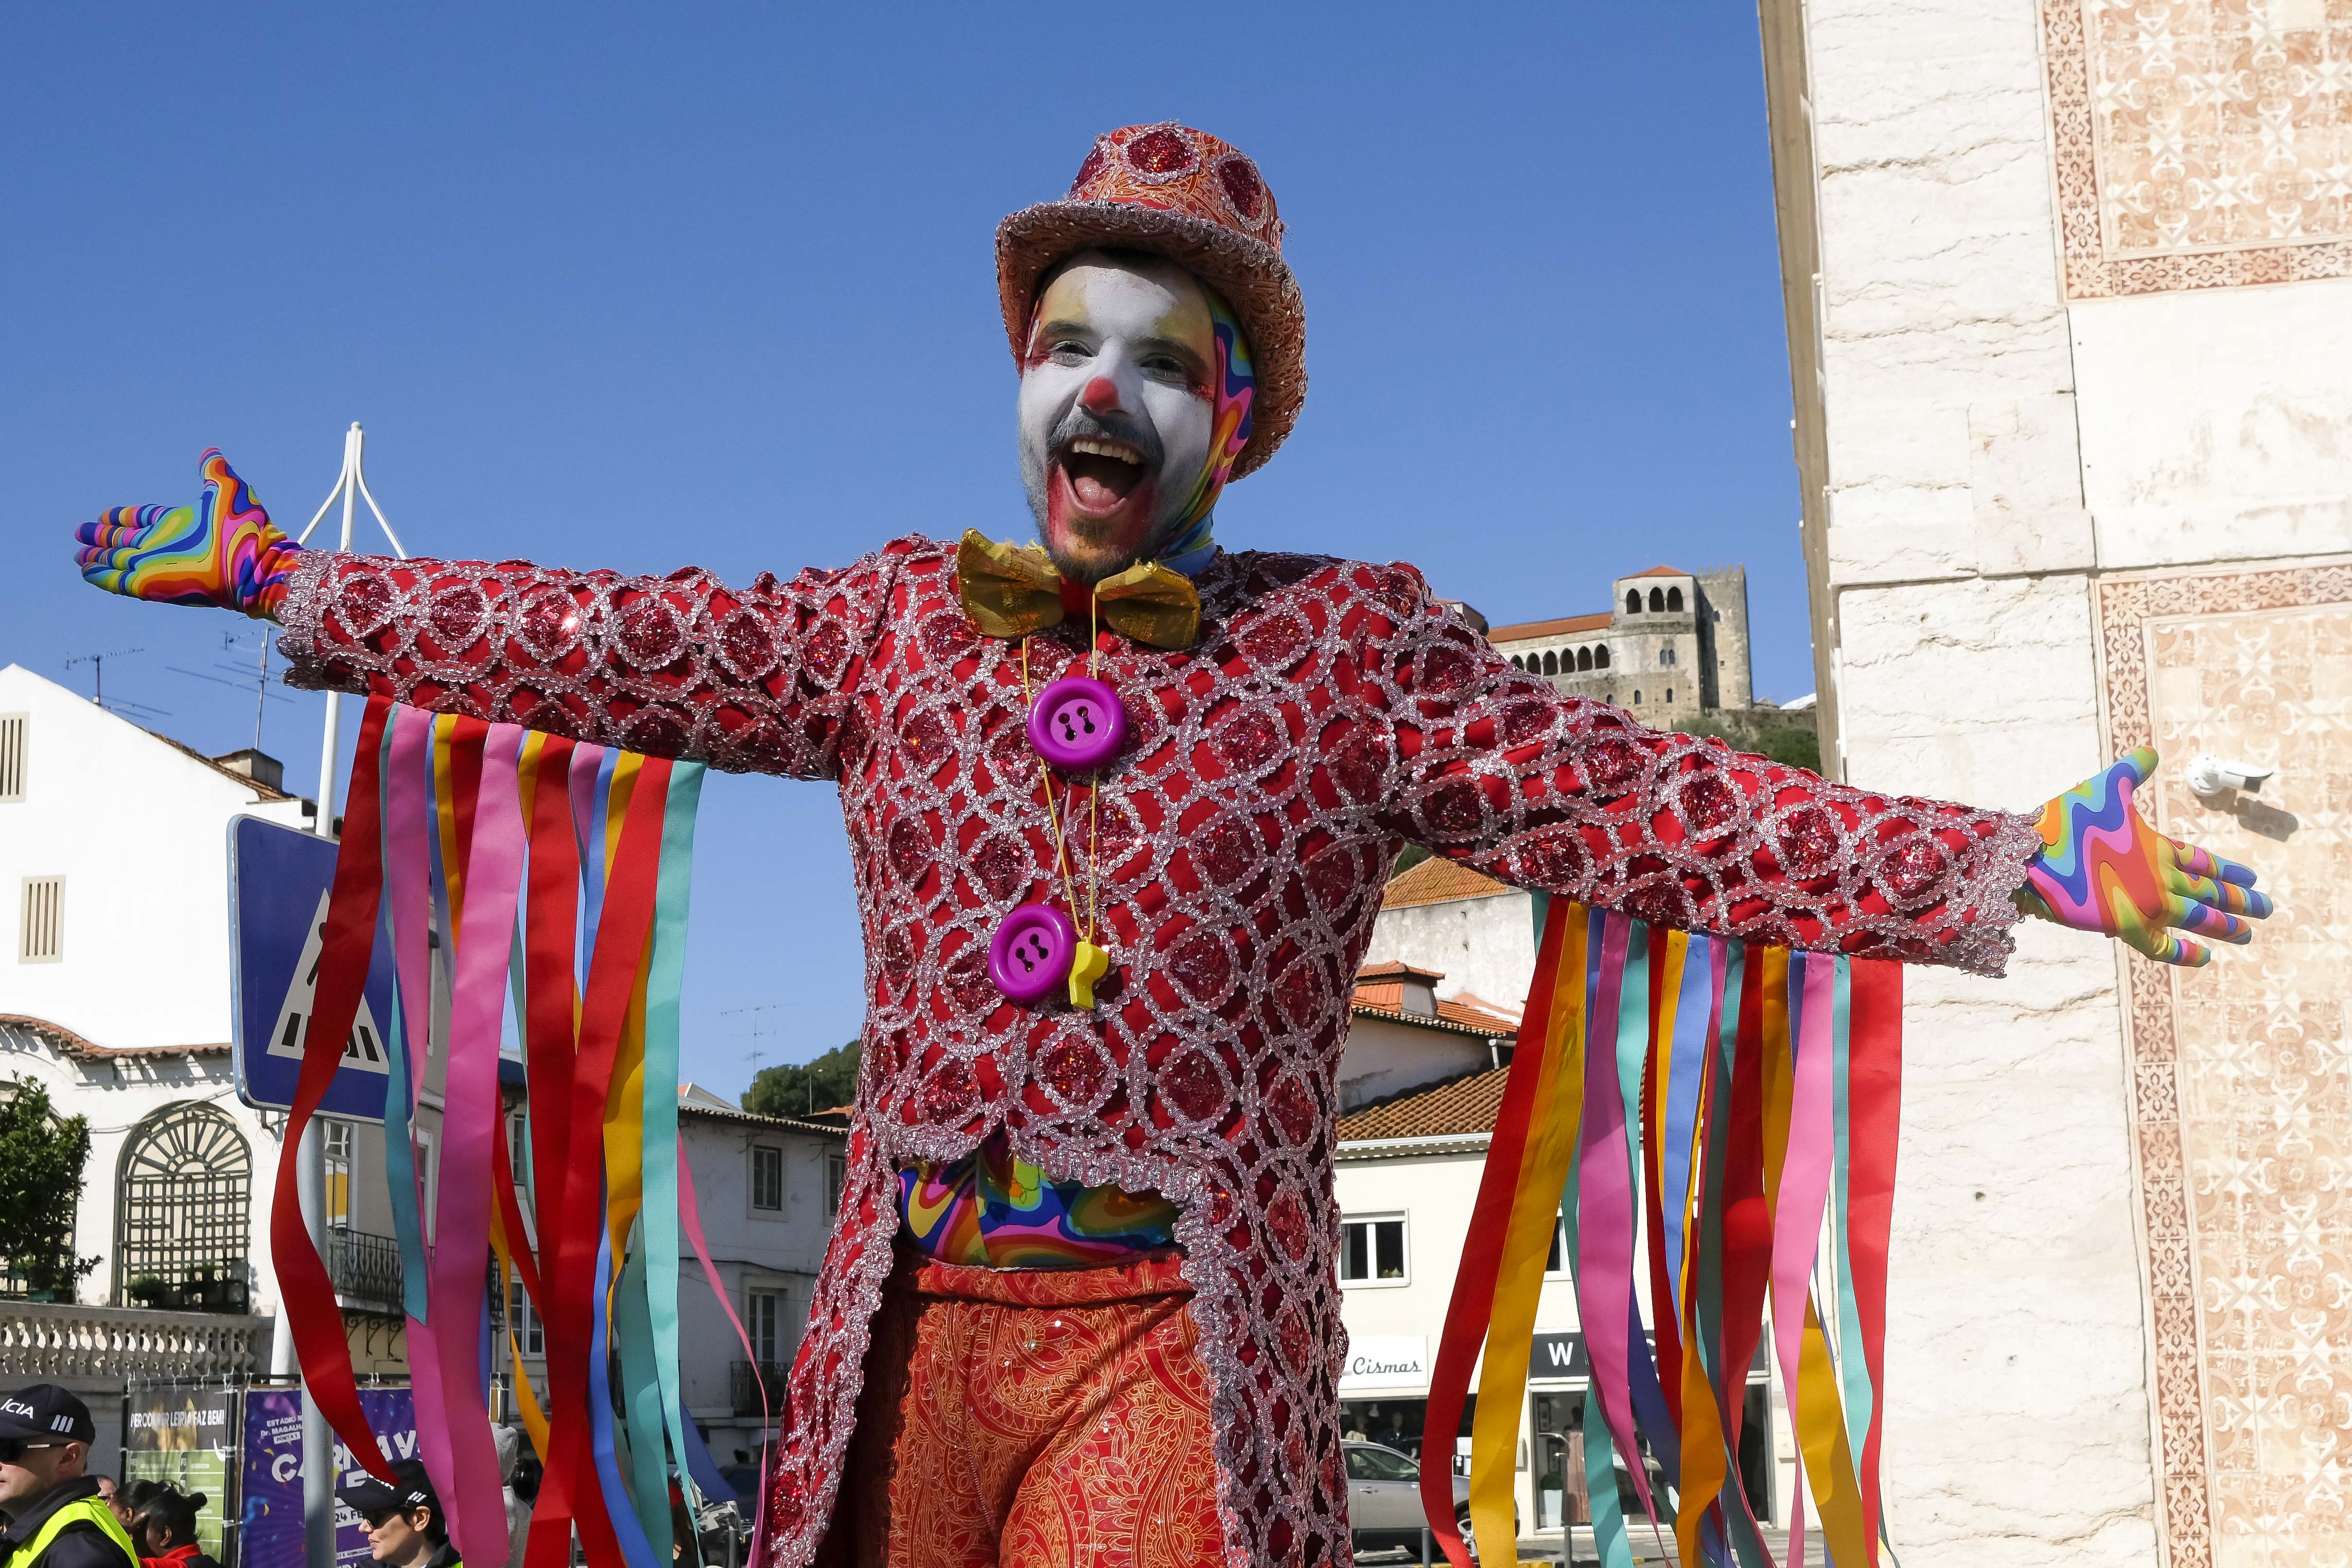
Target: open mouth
(1102, 473)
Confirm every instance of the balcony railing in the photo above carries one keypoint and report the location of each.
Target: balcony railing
(366, 1269)
(45, 1342)
(747, 1377)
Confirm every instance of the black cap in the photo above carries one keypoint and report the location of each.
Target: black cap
(413, 1489)
(46, 1412)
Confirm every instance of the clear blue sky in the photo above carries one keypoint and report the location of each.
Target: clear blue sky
(641, 286)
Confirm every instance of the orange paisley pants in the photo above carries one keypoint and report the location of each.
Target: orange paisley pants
(1032, 1418)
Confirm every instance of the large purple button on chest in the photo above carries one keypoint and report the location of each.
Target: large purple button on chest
(1076, 723)
(1030, 955)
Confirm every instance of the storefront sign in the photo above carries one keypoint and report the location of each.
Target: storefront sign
(271, 1527)
(1562, 1355)
(186, 1438)
(1386, 1361)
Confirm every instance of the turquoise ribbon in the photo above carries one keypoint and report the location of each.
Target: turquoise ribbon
(664, 975)
(1853, 1368)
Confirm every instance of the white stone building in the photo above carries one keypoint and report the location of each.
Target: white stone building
(2068, 296)
(1672, 646)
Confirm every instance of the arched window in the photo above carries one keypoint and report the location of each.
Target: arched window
(1517, 663)
(1637, 694)
(1670, 693)
(1668, 656)
(1632, 601)
(182, 1210)
(1674, 599)
(1601, 657)
(1584, 659)
(1657, 600)
(1551, 662)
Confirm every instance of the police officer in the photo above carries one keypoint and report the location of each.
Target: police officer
(404, 1526)
(56, 1517)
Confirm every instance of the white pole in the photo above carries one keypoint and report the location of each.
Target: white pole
(326, 818)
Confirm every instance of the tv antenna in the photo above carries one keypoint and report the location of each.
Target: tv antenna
(756, 1051)
(351, 485)
(97, 668)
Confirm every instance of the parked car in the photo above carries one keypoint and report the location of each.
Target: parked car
(1384, 1498)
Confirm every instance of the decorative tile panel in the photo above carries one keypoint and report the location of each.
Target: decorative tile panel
(2200, 143)
(2241, 1072)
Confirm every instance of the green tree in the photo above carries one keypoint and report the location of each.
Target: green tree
(41, 1160)
(1790, 741)
(803, 1089)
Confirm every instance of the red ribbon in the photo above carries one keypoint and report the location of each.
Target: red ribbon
(306, 1295)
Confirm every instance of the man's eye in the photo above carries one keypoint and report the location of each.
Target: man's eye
(1068, 351)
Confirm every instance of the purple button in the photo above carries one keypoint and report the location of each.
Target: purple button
(1076, 723)
(1030, 955)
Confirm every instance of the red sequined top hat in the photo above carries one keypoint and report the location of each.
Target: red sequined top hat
(1200, 202)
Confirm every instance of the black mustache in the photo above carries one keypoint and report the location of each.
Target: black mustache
(1082, 423)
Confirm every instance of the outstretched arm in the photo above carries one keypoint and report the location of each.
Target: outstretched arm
(1501, 770)
(756, 680)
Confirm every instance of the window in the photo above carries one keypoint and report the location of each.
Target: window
(1551, 662)
(1668, 656)
(12, 755)
(1637, 694)
(1657, 600)
(1632, 601)
(519, 1156)
(1517, 663)
(1601, 657)
(335, 1146)
(1674, 599)
(1371, 1252)
(763, 1319)
(767, 1177)
(429, 1181)
(1556, 1262)
(183, 1203)
(1583, 659)
(529, 1332)
(836, 1176)
(1670, 693)
(41, 931)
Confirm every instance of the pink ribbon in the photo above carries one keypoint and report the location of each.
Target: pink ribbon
(1604, 1284)
(1804, 1189)
(472, 1118)
(689, 1213)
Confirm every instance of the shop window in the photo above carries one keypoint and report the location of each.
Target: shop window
(767, 1177)
(1372, 1250)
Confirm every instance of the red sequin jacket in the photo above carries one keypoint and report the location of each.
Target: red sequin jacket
(1330, 712)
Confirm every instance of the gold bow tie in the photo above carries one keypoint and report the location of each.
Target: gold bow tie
(1011, 591)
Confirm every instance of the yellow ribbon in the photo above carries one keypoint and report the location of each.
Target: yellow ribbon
(1012, 590)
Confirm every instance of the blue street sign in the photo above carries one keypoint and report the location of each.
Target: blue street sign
(279, 879)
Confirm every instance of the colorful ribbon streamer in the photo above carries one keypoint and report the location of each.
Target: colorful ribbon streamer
(506, 863)
(1710, 1103)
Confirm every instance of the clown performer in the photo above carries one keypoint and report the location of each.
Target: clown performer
(1121, 810)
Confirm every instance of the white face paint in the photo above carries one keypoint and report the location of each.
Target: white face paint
(1116, 411)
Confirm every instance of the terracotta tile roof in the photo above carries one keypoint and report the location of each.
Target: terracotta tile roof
(1470, 1015)
(1439, 881)
(68, 1043)
(1457, 1108)
(1396, 968)
(1660, 572)
(1520, 631)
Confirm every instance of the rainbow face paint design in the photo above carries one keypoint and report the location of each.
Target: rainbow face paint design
(1234, 390)
(2102, 868)
(222, 551)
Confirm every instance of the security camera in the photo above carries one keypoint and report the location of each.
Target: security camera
(2210, 776)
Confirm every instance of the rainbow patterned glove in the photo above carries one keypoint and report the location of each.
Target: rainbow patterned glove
(223, 550)
(2102, 868)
